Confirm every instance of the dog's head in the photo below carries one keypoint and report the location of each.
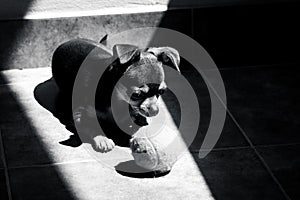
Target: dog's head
(144, 78)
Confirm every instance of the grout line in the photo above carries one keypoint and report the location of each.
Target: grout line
(5, 167)
(277, 145)
(249, 67)
(219, 149)
(244, 147)
(259, 156)
(290, 65)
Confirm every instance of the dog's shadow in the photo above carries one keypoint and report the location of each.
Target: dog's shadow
(47, 94)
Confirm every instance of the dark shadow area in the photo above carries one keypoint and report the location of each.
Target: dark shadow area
(11, 29)
(181, 21)
(14, 119)
(23, 147)
(236, 35)
(249, 34)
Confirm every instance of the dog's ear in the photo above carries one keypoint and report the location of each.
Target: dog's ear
(125, 52)
(167, 55)
(104, 40)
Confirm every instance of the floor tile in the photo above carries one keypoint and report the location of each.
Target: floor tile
(284, 162)
(17, 75)
(264, 102)
(25, 145)
(12, 111)
(237, 174)
(95, 181)
(38, 183)
(31, 134)
(3, 189)
(230, 137)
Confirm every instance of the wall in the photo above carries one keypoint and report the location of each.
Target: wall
(41, 9)
(240, 34)
(13, 9)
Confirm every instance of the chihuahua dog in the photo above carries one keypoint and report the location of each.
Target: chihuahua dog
(144, 69)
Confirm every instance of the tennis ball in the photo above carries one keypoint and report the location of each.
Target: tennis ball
(157, 152)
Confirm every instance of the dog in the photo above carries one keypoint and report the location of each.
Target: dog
(144, 69)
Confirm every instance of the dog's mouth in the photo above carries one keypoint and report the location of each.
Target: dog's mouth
(137, 116)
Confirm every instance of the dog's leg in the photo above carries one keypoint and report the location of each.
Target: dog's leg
(100, 142)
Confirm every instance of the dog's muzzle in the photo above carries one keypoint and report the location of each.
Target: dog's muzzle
(149, 107)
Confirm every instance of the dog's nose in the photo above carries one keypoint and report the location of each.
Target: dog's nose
(153, 110)
(150, 107)
(136, 148)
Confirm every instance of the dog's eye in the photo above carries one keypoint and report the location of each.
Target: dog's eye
(161, 91)
(136, 96)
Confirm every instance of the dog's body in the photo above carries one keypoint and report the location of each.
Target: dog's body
(144, 75)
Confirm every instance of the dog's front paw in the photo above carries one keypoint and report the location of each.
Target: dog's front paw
(103, 144)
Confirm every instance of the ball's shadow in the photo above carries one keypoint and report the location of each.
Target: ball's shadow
(131, 169)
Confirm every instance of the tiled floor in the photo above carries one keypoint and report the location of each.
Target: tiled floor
(237, 174)
(265, 102)
(255, 158)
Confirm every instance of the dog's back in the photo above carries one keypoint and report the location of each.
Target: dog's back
(67, 60)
